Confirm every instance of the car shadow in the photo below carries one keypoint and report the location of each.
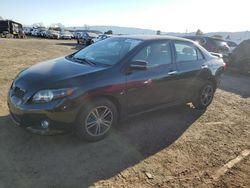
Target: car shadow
(29, 160)
(235, 83)
(73, 45)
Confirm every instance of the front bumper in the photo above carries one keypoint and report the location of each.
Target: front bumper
(60, 115)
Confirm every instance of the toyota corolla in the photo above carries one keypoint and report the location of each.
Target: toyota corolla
(91, 90)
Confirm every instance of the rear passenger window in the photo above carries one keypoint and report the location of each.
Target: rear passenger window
(186, 51)
(155, 54)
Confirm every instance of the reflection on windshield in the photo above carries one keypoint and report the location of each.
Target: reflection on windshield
(108, 51)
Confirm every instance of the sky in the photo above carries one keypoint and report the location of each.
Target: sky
(164, 15)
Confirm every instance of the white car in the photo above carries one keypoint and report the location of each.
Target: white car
(66, 35)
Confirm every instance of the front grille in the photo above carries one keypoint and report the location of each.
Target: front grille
(18, 92)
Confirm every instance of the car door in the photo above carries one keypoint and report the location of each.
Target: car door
(155, 86)
(190, 63)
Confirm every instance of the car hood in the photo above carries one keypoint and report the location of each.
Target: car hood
(57, 70)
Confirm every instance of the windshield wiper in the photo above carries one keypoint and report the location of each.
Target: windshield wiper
(85, 60)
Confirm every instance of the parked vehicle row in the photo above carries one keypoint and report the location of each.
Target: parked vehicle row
(48, 33)
(83, 38)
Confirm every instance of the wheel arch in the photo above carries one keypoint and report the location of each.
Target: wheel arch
(111, 98)
(213, 81)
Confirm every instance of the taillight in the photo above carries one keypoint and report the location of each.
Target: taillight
(225, 66)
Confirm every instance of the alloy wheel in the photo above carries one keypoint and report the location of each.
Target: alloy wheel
(99, 121)
(207, 95)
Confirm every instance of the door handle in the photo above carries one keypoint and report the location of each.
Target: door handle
(172, 73)
(204, 66)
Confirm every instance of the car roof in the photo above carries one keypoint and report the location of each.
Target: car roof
(153, 37)
(207, 37)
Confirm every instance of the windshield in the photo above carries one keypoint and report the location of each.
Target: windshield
(108, 51)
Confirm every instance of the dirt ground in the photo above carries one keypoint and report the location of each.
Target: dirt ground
(175, 147)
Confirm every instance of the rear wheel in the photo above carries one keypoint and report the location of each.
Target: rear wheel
(96, 119)
(205, 96)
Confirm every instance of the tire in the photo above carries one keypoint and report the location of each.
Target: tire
(96, 119)
(204, 96)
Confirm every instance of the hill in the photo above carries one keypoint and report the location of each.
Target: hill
(234, 36)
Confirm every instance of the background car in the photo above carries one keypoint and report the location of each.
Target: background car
(101, 37)
(27, 30)
(41, 32)
(232, 45)
(34, 32)
(86, 38)
(52, 34)
(66, 35)
(212, 44)
(77, 34)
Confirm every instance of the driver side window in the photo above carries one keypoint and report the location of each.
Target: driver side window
(155, 54)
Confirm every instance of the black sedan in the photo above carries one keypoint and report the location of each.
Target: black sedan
(94, 88)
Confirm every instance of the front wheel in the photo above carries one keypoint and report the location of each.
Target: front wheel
(96, 119)
(205, 96)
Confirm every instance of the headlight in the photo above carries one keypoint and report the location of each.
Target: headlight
(51, 94)
(13, 83)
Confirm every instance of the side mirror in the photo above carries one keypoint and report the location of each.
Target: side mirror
(138, 65)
